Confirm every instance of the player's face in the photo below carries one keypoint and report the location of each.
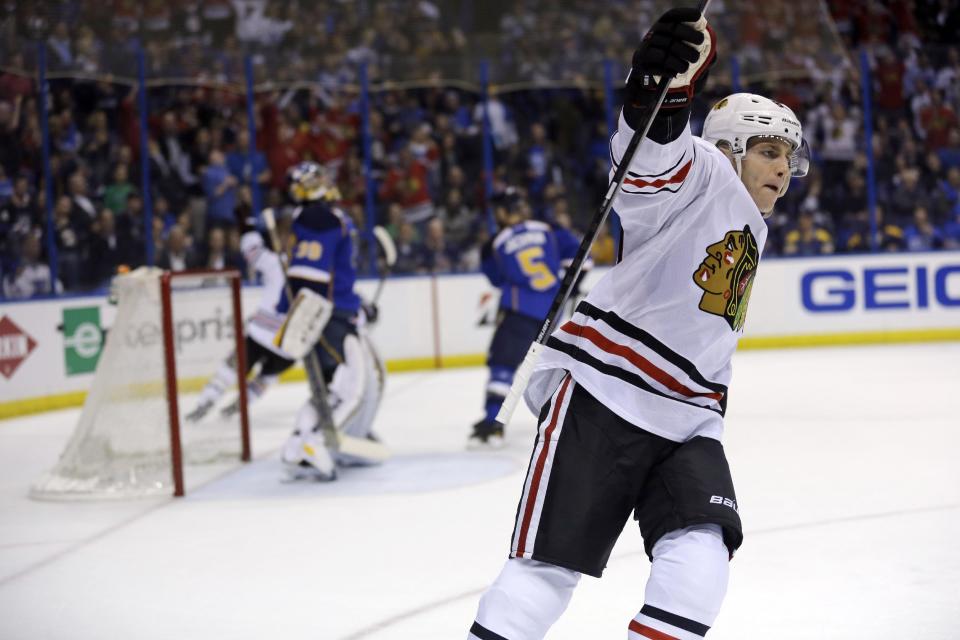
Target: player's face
(765, 170)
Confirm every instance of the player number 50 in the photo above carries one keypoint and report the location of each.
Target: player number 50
(309, 249)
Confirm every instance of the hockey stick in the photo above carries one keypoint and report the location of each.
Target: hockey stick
(522, 377)
(389, 250)
(333, 439)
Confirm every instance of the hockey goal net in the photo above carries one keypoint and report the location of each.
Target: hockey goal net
(171, 331)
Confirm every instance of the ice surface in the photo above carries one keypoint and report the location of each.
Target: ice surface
(846, 462)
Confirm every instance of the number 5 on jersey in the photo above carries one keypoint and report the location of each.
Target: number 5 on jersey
(532, 265)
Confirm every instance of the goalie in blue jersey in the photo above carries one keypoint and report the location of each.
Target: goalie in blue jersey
(322, 274)
(525, 260)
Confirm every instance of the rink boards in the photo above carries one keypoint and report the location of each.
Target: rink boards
(49, 349)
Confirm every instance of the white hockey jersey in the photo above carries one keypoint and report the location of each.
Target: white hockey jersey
(654, 337)
(266, 321)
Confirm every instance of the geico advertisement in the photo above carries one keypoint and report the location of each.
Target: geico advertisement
(893, 287)
(896, 292)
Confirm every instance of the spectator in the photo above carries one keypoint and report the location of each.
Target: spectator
(247, 169)
(540, 163)
(220, 187)
(889, 79)
(282, 156)
(921, 234)
(217, 255)
(948, 193)
(603, 251)
(83, 206)
(408, 248)
(104, 249)
(806, 238)
(407, 185)
(907, 194)
(950, 154)
(17, 82)
(459, 220)
(6, 186)
(948, 77)
(70, 236)
(30, 277)
(10, 152)
(116, 194)
(172, 158)
(839, 140)
(951, 231)
(17, 220)
(97, 150)
(889, 236)
(178, 254)
(436, 256)
(131, 232)
(938, 120)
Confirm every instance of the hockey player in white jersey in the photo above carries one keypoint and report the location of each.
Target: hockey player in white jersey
(263, 356)
(632, 390)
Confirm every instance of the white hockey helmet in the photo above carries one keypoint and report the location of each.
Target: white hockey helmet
(742, 116)
(251, 245)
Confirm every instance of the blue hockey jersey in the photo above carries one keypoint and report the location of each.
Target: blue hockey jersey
(324, 255)
(525, 261)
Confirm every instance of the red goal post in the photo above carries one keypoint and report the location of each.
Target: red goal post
(170, 363)
(171, 332)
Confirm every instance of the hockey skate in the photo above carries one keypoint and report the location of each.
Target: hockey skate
(199, 412)
(230, 410)
(487, 434)
(306, 458)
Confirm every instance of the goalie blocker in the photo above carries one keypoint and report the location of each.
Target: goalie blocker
(308, 316)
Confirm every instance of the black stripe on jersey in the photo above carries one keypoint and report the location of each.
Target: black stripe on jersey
(580, 355)
(483, 633)
(662, 350)
(674, 620)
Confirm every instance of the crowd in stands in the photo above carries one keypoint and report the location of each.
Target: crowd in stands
(426, 148)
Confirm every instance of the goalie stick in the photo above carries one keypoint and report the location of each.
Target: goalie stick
(522, 377)
(333, 439)
(389, 250)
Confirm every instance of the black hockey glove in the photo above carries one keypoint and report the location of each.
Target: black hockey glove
(679, 44)
(371, 311)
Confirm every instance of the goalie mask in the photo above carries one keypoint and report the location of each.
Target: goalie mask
(741, 117)
(310, 182)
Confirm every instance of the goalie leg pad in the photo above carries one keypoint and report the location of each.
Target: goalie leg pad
(330, 349)
(305, 322)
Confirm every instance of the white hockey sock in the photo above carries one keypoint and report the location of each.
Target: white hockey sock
(223, 379)
(258, 386)
(687, 583)
(524, 601)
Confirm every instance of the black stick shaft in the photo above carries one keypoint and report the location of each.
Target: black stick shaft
(573, 271)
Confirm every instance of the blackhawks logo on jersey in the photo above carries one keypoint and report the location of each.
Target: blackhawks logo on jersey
(726, 276)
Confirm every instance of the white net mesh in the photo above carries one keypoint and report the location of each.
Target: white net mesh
(121, 446)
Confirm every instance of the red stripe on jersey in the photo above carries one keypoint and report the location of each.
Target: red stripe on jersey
(649, 632)
(538, 469)
(614, 348)
(676, 178)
